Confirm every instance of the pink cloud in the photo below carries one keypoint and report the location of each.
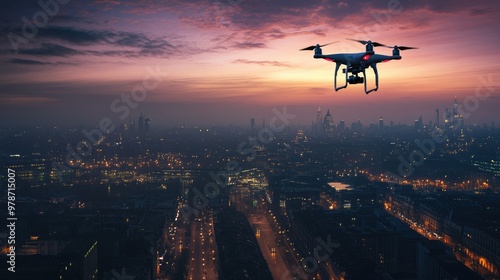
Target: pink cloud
(342, 5)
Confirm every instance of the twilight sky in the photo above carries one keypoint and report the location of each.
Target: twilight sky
(227, 61)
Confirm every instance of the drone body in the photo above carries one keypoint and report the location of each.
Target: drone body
(357, 63)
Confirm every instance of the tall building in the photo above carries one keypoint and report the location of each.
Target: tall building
(436, 261)
(328, 122)
(447, 118)
(357, 126)
(455, 112)
(32, 170)
(318, 124)
(79, 260)
(419, 123)
(437, 117)
(458, 120)
(381, 123)
(342, 125)
(147, 125)
(300, 137)
(140, 124)
(452, 118)
(252, 123)
(132, 127)
(319, 117)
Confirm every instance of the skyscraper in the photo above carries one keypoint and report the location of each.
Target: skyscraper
(455, 107)
(458, 120)
(132, 127)
(381, 123)
(456, 115)
(342, 125)
(319, 117)
(419, 123)
(437, 117)
(318, 125)
(357, 126)
(447, 118)
(147, 125)
(140, 124)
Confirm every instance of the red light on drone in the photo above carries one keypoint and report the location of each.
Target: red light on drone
(329, 59)
(366, 57)
(387, 60)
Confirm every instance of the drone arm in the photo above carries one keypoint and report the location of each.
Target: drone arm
(374, 66)
(337, 66)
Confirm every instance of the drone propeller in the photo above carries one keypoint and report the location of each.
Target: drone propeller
(310, 48)
(403, 48)
(375, 44)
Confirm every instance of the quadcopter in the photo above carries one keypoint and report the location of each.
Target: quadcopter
(357, 62)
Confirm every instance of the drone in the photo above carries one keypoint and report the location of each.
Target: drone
(357, 63)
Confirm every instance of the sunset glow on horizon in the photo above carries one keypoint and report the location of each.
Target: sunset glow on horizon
(245, 55)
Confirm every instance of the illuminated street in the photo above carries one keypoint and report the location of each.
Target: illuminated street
(268, 246)
(202, 253)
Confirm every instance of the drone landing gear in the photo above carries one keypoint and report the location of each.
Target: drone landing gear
(355, 79)
(374, 66)
(337, 66)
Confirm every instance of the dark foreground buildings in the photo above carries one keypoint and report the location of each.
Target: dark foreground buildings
(239, 253)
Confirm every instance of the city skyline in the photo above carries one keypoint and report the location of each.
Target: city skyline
(457, 115)
(225, 62)
(185, 202)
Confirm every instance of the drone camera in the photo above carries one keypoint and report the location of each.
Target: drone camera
(355, 80)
